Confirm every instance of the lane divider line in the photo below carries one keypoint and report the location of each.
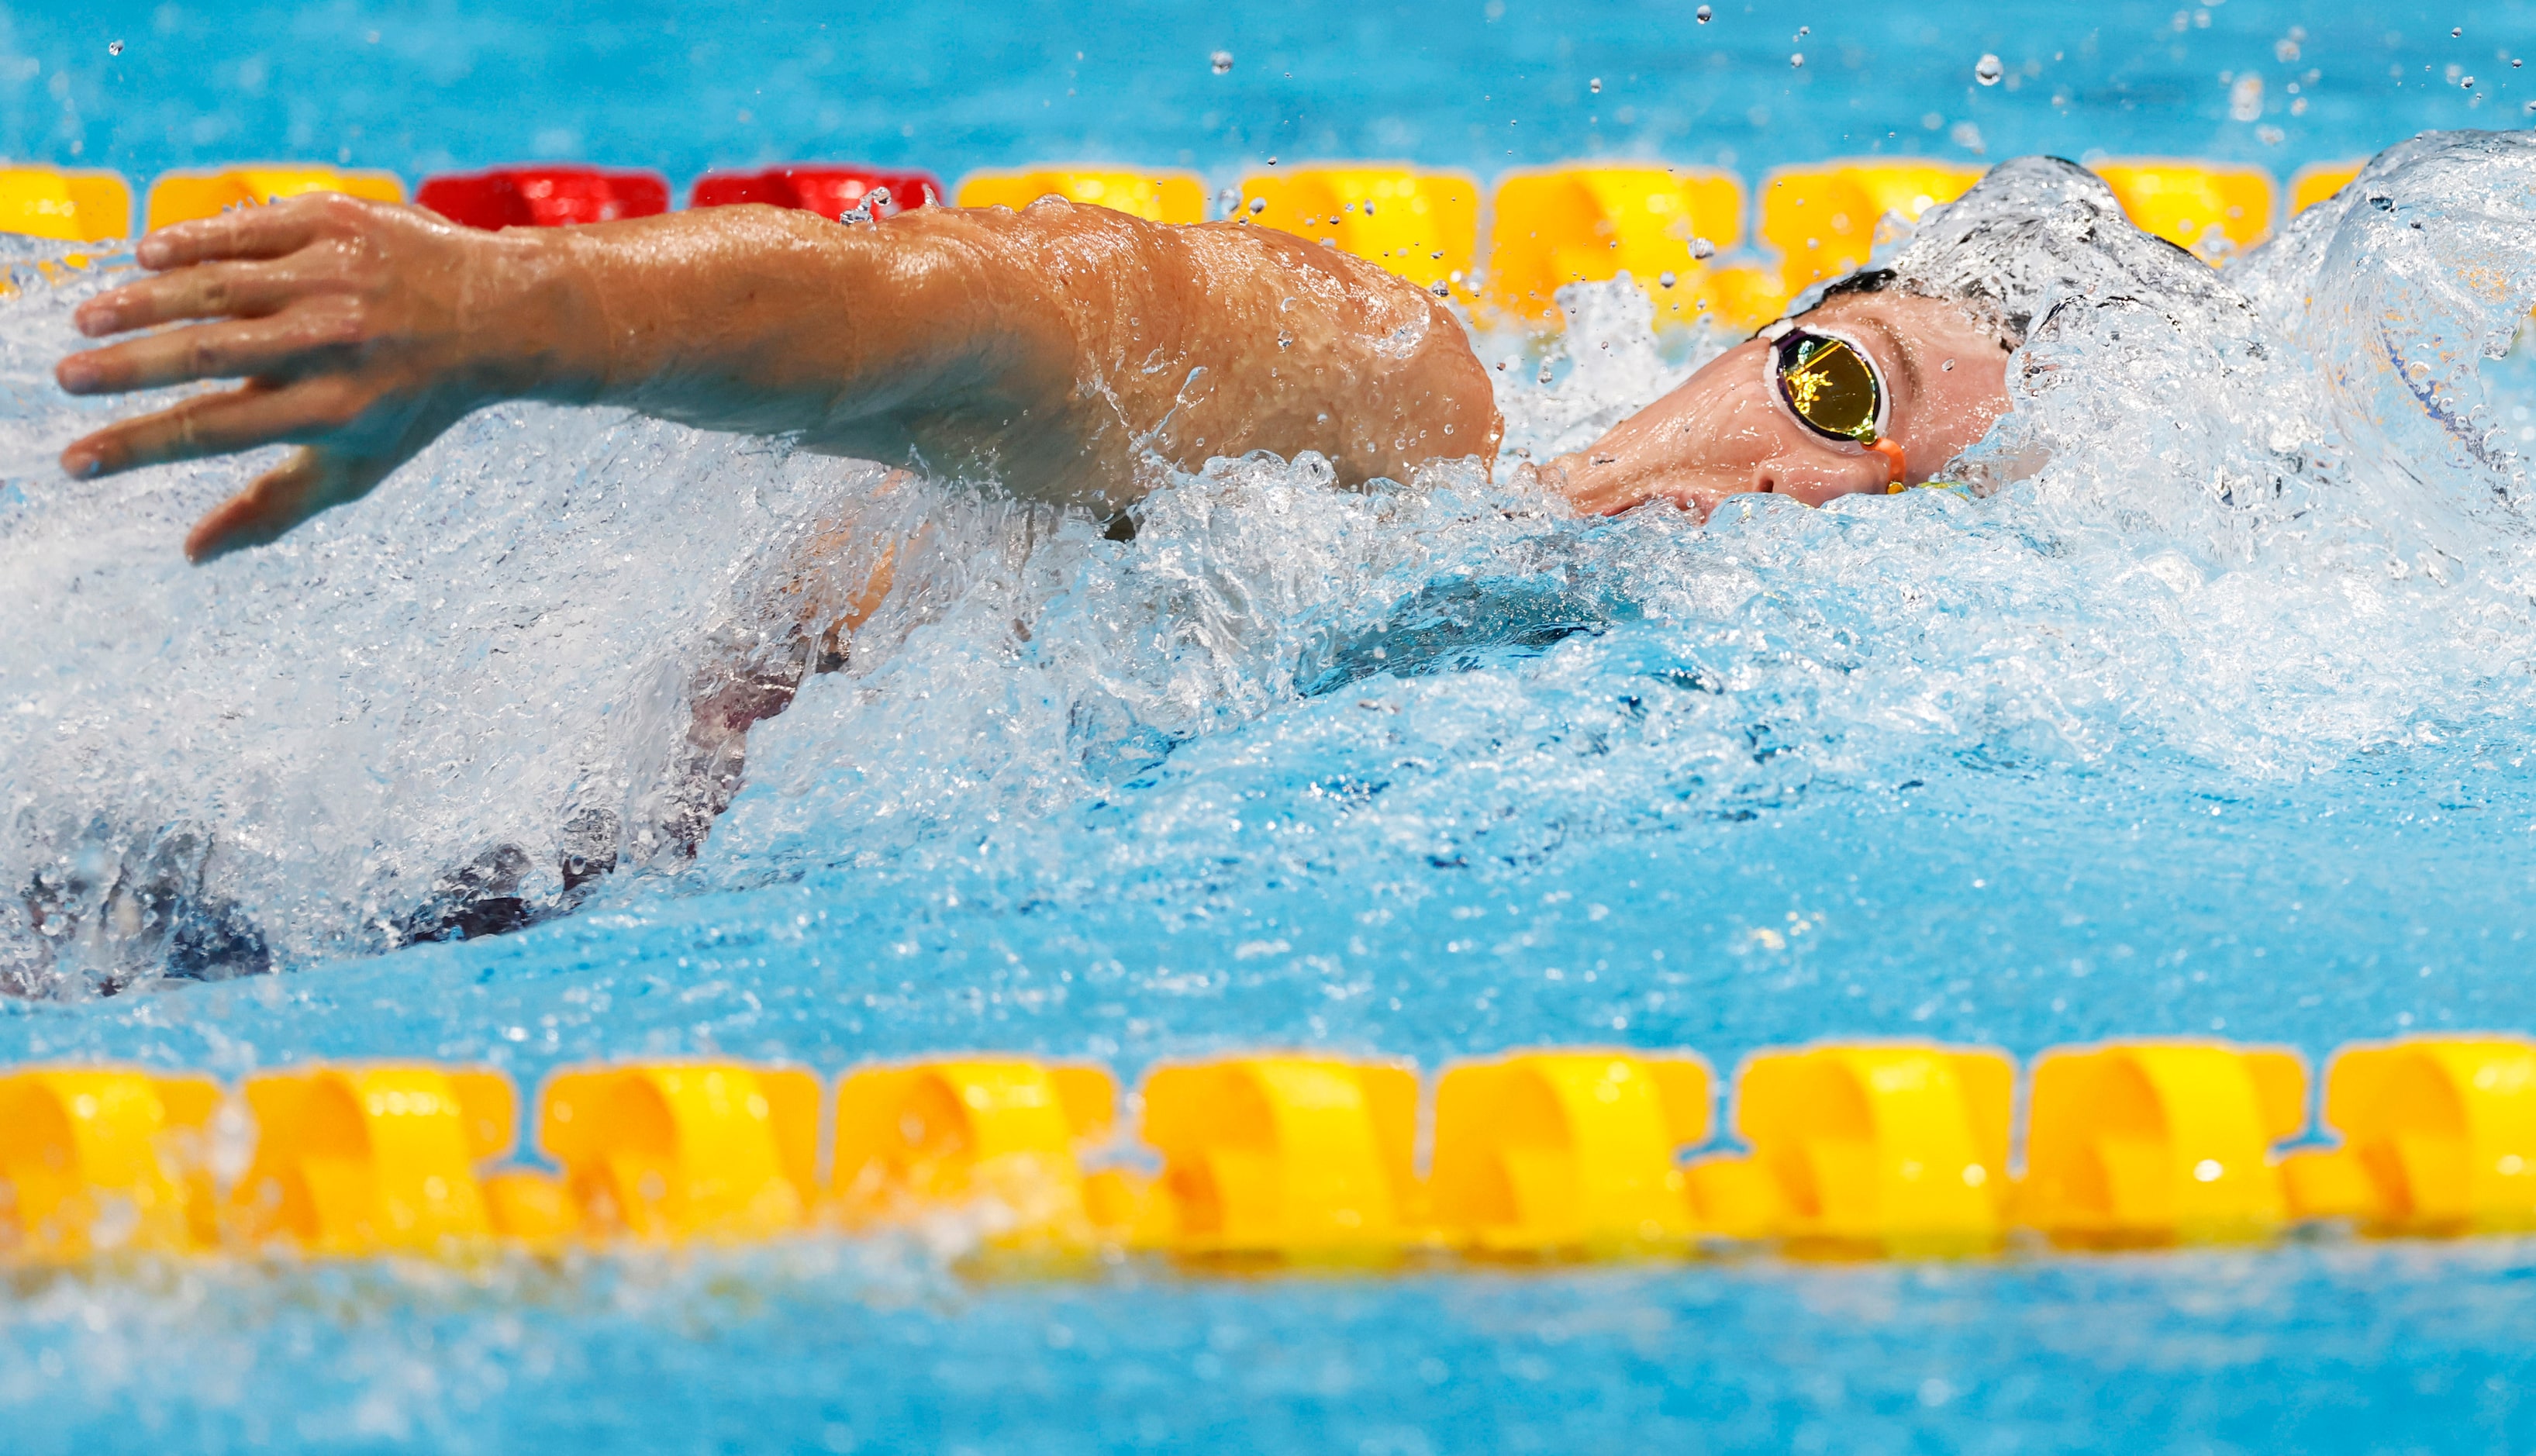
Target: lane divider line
(1849, 1150)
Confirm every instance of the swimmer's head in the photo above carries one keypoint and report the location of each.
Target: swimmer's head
(1743, 425)
(2035, 231)
(1934, 323)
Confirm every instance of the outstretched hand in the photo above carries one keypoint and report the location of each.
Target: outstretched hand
(351, 324)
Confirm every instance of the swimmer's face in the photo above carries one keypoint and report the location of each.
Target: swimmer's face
(1726, 432)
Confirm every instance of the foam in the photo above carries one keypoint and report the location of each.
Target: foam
(2209, 546)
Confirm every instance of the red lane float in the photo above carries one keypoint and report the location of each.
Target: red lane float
(545, 196)
(830, 191)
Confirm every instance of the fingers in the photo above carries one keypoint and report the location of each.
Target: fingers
(209, 425)
(209, 291)
(309, 482)
(275, 230)
(225, 350)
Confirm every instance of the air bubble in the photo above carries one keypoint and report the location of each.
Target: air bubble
(1988, 69)
(1221, 61)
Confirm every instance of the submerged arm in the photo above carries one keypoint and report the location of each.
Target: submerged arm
(1053, 350)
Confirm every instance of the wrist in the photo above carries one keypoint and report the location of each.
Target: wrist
(529, 321)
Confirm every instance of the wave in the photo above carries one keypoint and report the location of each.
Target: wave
(2247, 530)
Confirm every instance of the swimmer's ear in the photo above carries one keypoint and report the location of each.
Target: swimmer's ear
(311, 480)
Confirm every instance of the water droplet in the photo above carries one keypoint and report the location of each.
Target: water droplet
(1227, 202)
(1544, 375)
(1595, 85)
(2455, 31)
(1701, 247)
(1222, 61)
(1798, 60)
(1803, 31)
(1666, 280)
(1988, 69)
(1948, 367)
(1440, 288)
(1272, 161)
(2466, 83)
(115, 47)
(1258, 205)
(1368, 209)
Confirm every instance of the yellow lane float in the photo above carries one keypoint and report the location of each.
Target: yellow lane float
(1661, 226)
(1822, 219)
(661, 1152)
(2319, 180)
(1000, 1133)
(1567, 1151)
(1280, 1156)
(2158, 1142)
(363, 1159)
(2210, 208)
(101, 1159)
(183, 197)
(1155, 197)
(2438, 1138)
(66, 206)
(1867, 1148)
(1423, 225)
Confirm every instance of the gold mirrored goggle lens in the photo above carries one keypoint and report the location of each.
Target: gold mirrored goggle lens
(1830, 386)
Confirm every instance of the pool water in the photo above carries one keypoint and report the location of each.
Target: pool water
(2219, 725)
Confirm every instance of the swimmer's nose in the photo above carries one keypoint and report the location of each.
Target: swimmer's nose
(1868, 474)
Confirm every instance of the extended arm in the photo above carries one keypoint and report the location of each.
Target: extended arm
(1054, 349)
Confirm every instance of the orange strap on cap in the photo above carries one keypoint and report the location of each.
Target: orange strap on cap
(1897, 467)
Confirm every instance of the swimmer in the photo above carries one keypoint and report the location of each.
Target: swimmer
(1070, 354)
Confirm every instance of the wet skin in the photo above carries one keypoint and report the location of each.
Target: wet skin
(1061, 351)
(1724, 431)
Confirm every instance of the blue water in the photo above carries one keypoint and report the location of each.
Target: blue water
(2094, 756)
(1482, 86)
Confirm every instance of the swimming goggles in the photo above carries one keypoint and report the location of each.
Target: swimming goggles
(1833, 389)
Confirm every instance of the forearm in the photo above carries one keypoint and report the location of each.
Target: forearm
(770, 321)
